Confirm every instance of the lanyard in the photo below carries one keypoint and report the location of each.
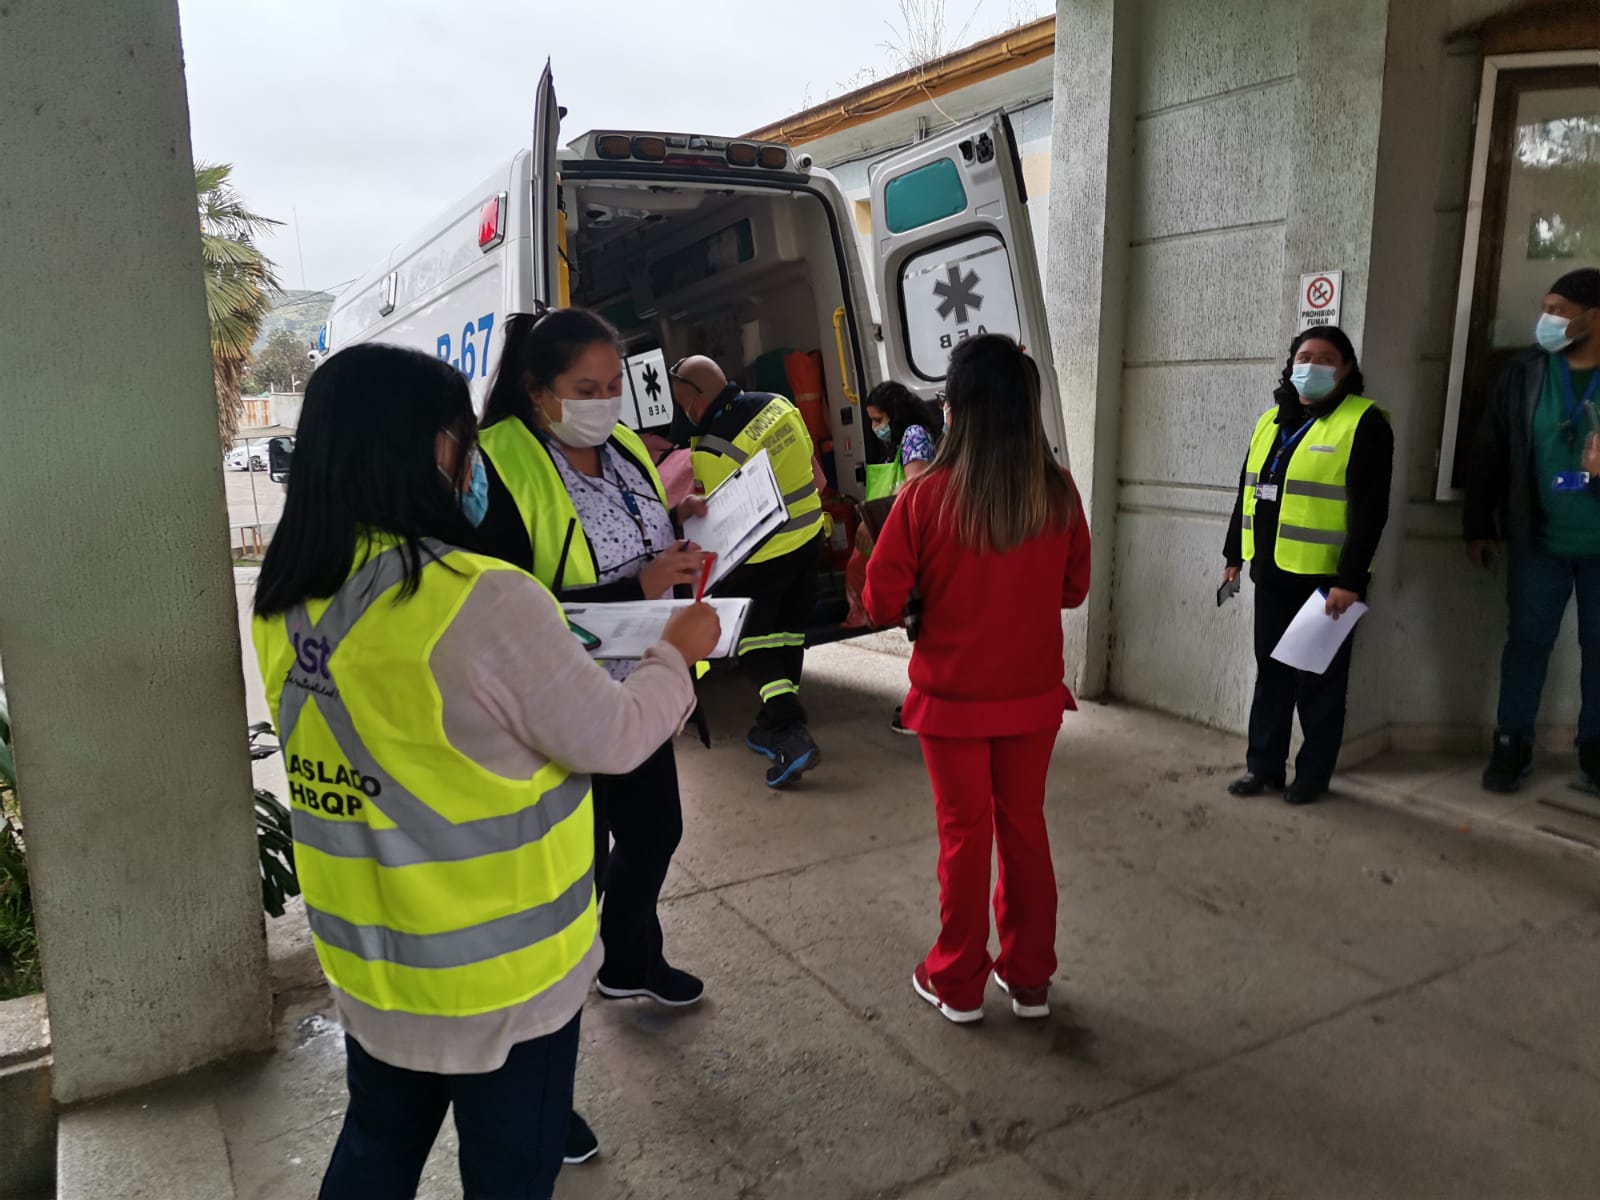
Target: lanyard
(1285, 443)
(630, 505)
(1569, 399)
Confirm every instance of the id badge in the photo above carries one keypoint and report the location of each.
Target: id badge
(1267, 491)
(1570, 481)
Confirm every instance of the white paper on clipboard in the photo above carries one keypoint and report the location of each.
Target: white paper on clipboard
(628, 628)
(743, 511)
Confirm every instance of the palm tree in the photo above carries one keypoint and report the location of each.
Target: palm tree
(240, 284)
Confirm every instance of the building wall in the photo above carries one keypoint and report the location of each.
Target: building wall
(1211, 183)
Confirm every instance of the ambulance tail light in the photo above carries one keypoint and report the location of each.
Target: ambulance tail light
(614, 146)
(492, 222)
(742, 154)
(773, 158)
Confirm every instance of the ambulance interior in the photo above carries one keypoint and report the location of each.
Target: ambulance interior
(751, 278)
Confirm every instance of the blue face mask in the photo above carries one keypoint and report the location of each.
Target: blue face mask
(883, 432)
(475, 500)
(1551, 333)
(1313, 380)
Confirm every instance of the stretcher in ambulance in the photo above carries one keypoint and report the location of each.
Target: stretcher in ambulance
(739, 250)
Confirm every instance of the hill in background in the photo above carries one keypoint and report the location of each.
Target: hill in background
(302, 313)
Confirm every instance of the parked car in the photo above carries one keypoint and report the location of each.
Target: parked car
(246, 458)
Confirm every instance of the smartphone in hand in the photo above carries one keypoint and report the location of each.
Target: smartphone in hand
(1227, 591)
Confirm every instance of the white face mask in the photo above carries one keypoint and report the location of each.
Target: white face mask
(587, 422)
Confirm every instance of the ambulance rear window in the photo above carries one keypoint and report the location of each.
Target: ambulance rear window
(920, 197)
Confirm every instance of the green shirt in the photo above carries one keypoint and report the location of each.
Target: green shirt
(1571, 524)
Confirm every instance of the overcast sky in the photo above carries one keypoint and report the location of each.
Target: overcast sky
(365, 117)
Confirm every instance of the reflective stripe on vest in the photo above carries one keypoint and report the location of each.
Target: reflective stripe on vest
(432, 885)
(534, 481)
(780, 430)
(1313, 510)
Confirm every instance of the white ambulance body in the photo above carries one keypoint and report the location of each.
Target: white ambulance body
(707, 245)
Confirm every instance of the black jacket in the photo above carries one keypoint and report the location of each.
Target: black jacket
(1502, 496)
(1367, 486)
(504, 535)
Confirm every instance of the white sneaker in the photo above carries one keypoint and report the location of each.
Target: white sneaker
(924, 987)
(1028, 1003)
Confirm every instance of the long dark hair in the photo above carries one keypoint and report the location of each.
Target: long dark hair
(1005, 488)
(535, 351)
(904, 408)
(364, 460)
(1352, 385)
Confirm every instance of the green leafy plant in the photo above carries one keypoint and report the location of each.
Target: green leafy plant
(274, 835)
(19, 940)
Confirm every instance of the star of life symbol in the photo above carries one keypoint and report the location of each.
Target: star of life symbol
(958, 293)
(652, 382)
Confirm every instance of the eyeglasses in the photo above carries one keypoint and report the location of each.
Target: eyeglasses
(672, 373)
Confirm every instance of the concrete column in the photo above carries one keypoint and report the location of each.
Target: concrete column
(1086, 259)
(117, 620)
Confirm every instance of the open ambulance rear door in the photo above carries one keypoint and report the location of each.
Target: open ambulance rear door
(546, 267)
(953, 255)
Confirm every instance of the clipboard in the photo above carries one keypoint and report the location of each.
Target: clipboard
(742, 512)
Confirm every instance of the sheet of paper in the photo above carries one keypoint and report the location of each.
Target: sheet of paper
(1313, 637)
(744, 509)
(629, 628)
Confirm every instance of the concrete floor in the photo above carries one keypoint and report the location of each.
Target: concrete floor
(1353, 999)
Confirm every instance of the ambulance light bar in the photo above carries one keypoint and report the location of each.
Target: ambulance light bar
(688, 150)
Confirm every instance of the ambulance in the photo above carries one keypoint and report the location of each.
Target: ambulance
(738, 249)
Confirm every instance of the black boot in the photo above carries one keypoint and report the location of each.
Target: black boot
(1589, 763)
(1510, 762)
(1251, 784)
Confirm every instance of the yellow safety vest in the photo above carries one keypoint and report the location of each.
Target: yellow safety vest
(1313, 511)
(536, 486)
(780, 430)
(432, 885)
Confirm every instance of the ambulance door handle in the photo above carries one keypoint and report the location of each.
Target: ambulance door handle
(844, 370)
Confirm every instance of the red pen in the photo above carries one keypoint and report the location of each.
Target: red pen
(705, 574)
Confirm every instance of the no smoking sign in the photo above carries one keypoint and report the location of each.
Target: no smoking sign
(1321, 293)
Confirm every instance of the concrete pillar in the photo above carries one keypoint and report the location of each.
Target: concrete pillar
(1086, 255)
(117, 620)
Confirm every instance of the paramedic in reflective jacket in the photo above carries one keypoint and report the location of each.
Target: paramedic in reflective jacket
(1312, 502)
(780, 578)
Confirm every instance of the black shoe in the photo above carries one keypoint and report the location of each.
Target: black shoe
(791, 750)
(1510, 762)
(663, 984)
(897, 726)
(1300, 793)
(582, 1145)
(1251, 784)
(1589, 760)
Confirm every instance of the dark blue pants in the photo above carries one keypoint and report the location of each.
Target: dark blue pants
(511, 1124)
(1538, 587)
(1281, 691)
(643, 812)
